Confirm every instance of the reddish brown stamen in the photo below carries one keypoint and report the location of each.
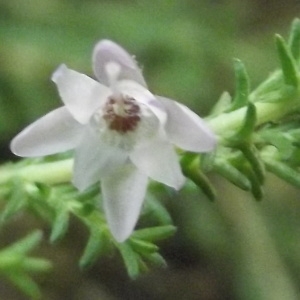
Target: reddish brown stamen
(125, 121)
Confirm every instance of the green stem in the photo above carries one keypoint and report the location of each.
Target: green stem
(49, 173)
(266, 112)
(222, 125)
(61, 171)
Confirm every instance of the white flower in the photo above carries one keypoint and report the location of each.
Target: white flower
(122, 134)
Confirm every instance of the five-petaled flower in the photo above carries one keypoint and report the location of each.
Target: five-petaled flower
(122, 134)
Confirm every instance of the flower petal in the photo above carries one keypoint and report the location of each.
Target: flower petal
(187, 130)
(56, 132)
(81, 94)
(123, 194)
(95, 159)
(158, 160)
(143, 96)
(107, 51)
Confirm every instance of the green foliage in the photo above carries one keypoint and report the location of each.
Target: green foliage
(16, 266)
(257, 132)
(288, 64)
(57, 203)
(140, 252)
(242, 86)
(191, 169)
(294, 39)
(245, 151)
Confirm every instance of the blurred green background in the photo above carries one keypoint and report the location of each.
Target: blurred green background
(234, 248)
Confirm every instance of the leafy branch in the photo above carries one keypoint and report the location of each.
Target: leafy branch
(15, 264)
(258, 132)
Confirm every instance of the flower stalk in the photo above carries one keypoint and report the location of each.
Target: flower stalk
(266, 112)
(48, 173)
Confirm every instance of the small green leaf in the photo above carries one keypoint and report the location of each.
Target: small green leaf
(256, 188)
(88, 194)
(245, 133)
(189, 158)
(288, 64)
(143, 247)
(242, 140)
(16, 201)
(25, 284)
(252, 156)
(194, 173)
(280, 139)
(283, 171)
(60, 225)
(268, 86)
(232, 174)
(203, 182)
(131, 260)
(207, 161)
(86, 209)
(95, 247)
(32, 264)
(14, 264)
(154, 210)
(39, 196)
(143, 268)
(157, 260)
(44, 190)
(294, 39)
(241, 96)
(26, 244)
(154, 233)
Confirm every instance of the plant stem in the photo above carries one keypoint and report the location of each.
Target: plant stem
(266, 112)
(222, 125)
(49, 173)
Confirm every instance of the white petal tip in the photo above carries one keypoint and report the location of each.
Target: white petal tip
(19, 148)
(121, 232)
(180, 183)
(13, 147)
(58, 72)
(79, 186)
(122, 229)
(120, 237)
(107, 46)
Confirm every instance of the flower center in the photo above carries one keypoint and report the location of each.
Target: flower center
(121, 113)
